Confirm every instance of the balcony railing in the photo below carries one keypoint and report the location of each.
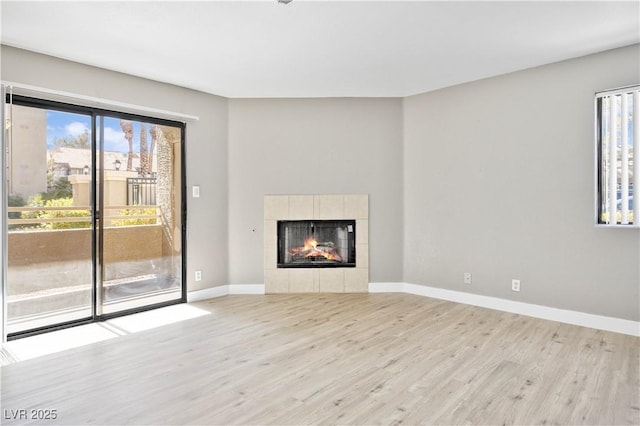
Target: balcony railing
(36, 218)
(141, 190)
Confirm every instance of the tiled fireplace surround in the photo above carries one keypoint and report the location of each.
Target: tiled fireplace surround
(316, 280)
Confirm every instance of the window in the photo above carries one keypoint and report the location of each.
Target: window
(617, 153)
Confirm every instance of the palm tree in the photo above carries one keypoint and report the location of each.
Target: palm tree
(127, 128)
(144, 153)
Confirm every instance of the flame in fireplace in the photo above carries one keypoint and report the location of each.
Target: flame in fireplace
(310, 243)
(313, 249)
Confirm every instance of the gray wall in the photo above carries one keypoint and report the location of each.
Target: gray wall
(493, 177)
(314, 146)
(499, 180)
(206, 143)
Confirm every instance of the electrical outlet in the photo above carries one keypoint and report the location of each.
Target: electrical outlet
(467, 277)
(515, 285)
(198, 275)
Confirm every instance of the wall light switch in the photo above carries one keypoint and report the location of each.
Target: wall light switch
(196, 191)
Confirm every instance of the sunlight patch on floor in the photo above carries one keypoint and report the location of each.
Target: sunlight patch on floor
(57, 341)
(156, 318)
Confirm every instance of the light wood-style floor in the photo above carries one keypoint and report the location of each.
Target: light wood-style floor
(338, 359)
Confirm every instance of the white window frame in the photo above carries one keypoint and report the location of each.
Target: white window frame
(608, 182)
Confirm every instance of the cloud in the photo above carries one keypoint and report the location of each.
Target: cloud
(76, 128)
(114, 140)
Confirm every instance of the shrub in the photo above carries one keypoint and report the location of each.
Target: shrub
(137, 221)
(15, 201)
(38, 201)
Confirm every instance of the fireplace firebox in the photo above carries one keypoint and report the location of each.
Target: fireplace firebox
(316, 243)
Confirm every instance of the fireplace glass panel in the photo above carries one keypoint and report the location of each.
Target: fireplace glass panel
(316, 243)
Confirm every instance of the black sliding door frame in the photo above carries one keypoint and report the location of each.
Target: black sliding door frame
(98, 211)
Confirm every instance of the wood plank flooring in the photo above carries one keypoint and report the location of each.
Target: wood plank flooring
(337, 359)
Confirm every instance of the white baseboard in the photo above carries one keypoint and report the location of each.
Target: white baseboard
(246, 289)
(599, 322)
(223, 290)
(207, 293)
(386, 287)
(583, 319)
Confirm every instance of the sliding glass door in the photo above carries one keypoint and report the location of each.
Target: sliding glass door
(50, 227)
(140, 238)
(95, 217)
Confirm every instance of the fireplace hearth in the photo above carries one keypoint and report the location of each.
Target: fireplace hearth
(316, 243)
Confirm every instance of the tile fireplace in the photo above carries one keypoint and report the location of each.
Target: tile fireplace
(316, 243)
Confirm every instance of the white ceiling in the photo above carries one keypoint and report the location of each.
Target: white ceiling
(318, 48)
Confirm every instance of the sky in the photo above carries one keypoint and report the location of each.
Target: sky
(62, 124)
